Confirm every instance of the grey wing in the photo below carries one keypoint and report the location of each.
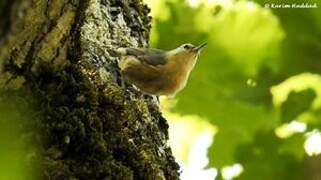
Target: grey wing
(150, 56)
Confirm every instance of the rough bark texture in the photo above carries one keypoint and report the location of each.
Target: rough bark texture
(57, 55)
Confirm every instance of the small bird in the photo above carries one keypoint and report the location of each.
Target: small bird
(158, 72)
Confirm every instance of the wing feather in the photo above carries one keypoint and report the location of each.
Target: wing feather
(147, 55)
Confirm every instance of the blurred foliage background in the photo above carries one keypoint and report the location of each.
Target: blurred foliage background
(252, 106)
(19, 155)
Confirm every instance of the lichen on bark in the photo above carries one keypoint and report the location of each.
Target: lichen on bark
(59, 53)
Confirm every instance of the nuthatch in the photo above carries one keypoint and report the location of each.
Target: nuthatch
(158, 72)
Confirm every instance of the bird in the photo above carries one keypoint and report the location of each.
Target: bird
(158, 72)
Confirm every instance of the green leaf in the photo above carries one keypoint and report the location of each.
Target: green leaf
(297, 103)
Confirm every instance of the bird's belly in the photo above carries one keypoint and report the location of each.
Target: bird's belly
(165, 85)
(147, 78)
(176, 83)
(154, 80)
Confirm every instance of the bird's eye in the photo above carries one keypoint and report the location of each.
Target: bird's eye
(187, 46)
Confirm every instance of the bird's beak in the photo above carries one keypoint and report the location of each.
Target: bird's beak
(198, 48)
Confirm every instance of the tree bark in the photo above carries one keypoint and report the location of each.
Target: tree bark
(58, 56)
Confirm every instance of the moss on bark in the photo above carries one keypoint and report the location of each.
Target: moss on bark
(59, 52)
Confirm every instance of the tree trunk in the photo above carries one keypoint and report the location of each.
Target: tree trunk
(58, 56)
